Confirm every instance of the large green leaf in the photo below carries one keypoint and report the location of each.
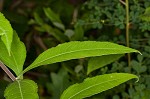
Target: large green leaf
(98, 62)
(17, 55)
(21, 89)
(6, 32)
(95, 85)
(75, 50)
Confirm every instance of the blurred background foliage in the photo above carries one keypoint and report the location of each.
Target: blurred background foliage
(42, 24)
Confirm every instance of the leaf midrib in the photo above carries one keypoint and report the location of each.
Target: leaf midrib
(73, 52)
(20, 90)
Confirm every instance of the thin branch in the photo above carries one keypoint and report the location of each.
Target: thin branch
(122, 2)
(13, 78)
(75, 15)
(127, 30)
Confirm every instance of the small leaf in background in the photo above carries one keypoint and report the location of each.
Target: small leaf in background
(138, 67)
(54, 18)
(146, 15)
(78, 68)
(69, 33)
(79, 33)
(140, 58)
(6, 32)
(18, 54)
(146, 94)
(3, 85)
(95, 85)
(60, 82)
(56, 33)
(38, 19)
(75, 50)
(98, 62)
(22, 89)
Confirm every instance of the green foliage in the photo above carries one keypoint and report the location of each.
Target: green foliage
(3, 85)
(6, 32)
(98, 62)
(27, 89)
(82, 20)
(17, 55)
(56, 33)
(95, 85)
(111, 13)
(146, 15)
(59, 83)
(54, 18)
(22, 89)
(74, 50)
(11, 47)
(78, 33)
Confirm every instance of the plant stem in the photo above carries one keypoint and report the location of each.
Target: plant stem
(13, 78)
(127, 36)
(127, 31)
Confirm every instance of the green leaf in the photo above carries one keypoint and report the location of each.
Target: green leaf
(38, 19)
(79, 33)
(146, 94)
(60, 82)
(17, 55)
(3, 85)
(98, 62)
(54, 18)
(6, 32)
(146, 15)
(22, 89)
(56, 33)
(95, 85)
(75, 50)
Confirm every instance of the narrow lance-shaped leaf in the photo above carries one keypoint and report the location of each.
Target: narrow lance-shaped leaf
(22, 89)
(17, 55)
(100, 61)
(54, 18)
(95, 85)
(75, 50)
(56, 33)
(6, 32)
(38, 19)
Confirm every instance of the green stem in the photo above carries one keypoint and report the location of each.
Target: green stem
(127, 31)
(7, 71)
(127, 35)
